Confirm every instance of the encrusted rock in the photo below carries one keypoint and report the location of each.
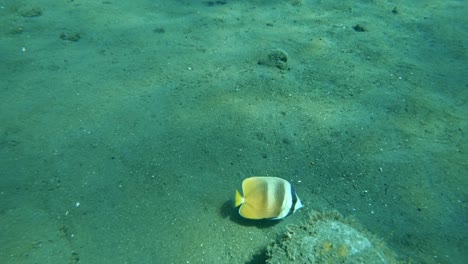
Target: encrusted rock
(276, 58)
(328, 238)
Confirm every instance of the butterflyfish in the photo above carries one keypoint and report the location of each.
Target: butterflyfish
(267, 198)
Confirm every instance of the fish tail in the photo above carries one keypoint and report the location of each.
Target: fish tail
(239, 198)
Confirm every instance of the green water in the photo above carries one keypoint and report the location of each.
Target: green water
(126, 127)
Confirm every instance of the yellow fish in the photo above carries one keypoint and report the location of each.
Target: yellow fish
(267, 198)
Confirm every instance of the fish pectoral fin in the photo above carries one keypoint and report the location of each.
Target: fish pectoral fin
(239, 198)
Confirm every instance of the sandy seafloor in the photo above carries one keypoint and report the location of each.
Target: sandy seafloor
(125, 126)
